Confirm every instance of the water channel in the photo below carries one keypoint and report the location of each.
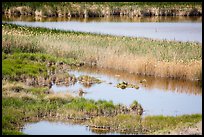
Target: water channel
(178, 29)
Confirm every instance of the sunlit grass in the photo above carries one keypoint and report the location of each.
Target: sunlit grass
(161, 58)
(148, 125)
(156, 123)
(17, 65)
(21, 104)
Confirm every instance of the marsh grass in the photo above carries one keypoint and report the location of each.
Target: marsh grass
(92, 107)
(32, 104)
(156, 123)
(59, 97)
(11, 132)
(100, 9)
(64, 4)
(159, 58)
(18, 66)
(14, 68)
(134, 124)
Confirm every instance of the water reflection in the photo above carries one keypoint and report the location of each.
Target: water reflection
(157, 96)
(104, 19)
(176, 31)
(179, 86)
(60, 128)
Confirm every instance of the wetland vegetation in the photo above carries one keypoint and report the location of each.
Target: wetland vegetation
(159, 58)
(102, 9)
(22, 104)
(33, 59)
(30, 54)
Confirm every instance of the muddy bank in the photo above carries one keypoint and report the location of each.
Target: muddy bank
(101, 10)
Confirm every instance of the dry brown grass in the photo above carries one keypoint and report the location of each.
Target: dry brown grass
(59, 96)
(16, 90)
(136, 55)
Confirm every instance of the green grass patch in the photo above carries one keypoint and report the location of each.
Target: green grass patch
(148, 125)
(91, 106)
(14, 68)
(11, 132)
(156, 123)
(29, 64)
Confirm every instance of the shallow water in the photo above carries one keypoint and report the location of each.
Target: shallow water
(169, 29)
(157, 96)
(58, 128)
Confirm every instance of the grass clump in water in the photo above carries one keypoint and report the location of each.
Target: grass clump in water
(124, 85)
(87, 81)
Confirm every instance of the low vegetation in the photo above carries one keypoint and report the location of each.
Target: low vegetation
(134, 124)
(22, 104)
(159, 58)
(23, 66)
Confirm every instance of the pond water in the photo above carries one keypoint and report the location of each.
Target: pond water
(166, 28)
(59, 128)
(157, 96)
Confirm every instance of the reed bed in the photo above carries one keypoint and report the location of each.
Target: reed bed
(101, 9)
(159, 58)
